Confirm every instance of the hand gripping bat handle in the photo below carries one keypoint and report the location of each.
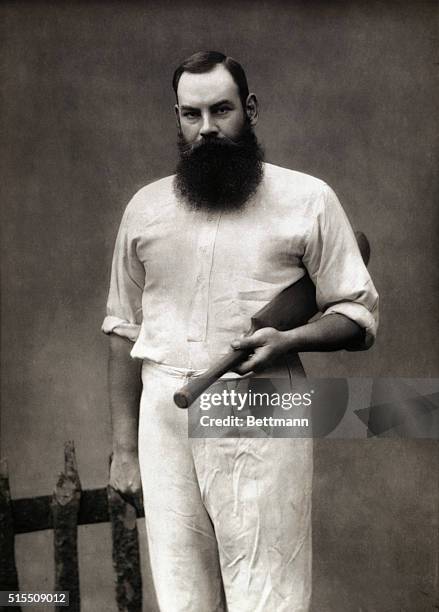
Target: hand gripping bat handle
(185, 396)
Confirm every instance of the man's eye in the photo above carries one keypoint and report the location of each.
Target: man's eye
(190, 115)
(223, 110)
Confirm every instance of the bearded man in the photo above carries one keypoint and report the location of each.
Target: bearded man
(228, 520)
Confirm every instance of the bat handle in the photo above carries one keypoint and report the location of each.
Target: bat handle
(185, 396)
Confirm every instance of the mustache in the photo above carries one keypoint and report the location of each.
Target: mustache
(208, 143)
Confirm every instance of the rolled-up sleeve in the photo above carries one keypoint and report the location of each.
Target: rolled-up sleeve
(333, 261)
(124, 304)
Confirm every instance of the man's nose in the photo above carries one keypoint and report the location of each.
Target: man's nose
(208, 127)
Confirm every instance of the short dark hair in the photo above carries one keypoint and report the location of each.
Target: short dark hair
(204, 61)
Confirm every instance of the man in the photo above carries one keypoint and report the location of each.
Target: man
(228, 520)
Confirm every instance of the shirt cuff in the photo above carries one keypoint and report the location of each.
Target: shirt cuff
(360, 315)
(121, 327)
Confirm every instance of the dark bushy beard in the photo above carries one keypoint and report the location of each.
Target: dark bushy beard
(219, 174)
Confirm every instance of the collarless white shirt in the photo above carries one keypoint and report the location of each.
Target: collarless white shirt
(184, 283)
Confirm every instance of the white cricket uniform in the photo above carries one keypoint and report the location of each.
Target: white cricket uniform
(230, 514)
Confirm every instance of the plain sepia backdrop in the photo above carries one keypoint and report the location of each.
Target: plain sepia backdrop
(347, 94)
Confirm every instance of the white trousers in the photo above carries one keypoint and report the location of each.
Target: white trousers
(228, 519)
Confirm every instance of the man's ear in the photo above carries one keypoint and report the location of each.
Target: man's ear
(252, 109)
(177, 115)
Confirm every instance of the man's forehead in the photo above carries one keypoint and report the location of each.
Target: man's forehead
(207, 88)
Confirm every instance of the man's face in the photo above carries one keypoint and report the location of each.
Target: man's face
(209, 106)
(220, 165)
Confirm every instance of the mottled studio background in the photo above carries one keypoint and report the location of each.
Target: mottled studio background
(347, 93)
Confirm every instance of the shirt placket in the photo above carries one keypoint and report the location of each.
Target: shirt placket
(198, 321)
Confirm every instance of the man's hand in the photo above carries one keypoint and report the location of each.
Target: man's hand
(266, 345)
(125, 473)
(331, 333)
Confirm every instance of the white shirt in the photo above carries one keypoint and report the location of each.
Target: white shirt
(184, 283)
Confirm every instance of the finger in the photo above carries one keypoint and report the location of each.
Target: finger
(242, 369)
(127, 492)
(122, 485)
(251, 342)
(259, 360)
(128, 497)
(113, 482)
(118, 486)
(250, 365)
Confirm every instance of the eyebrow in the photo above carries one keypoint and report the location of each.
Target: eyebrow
(213, 106)
(221, 103)
(189, 108)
